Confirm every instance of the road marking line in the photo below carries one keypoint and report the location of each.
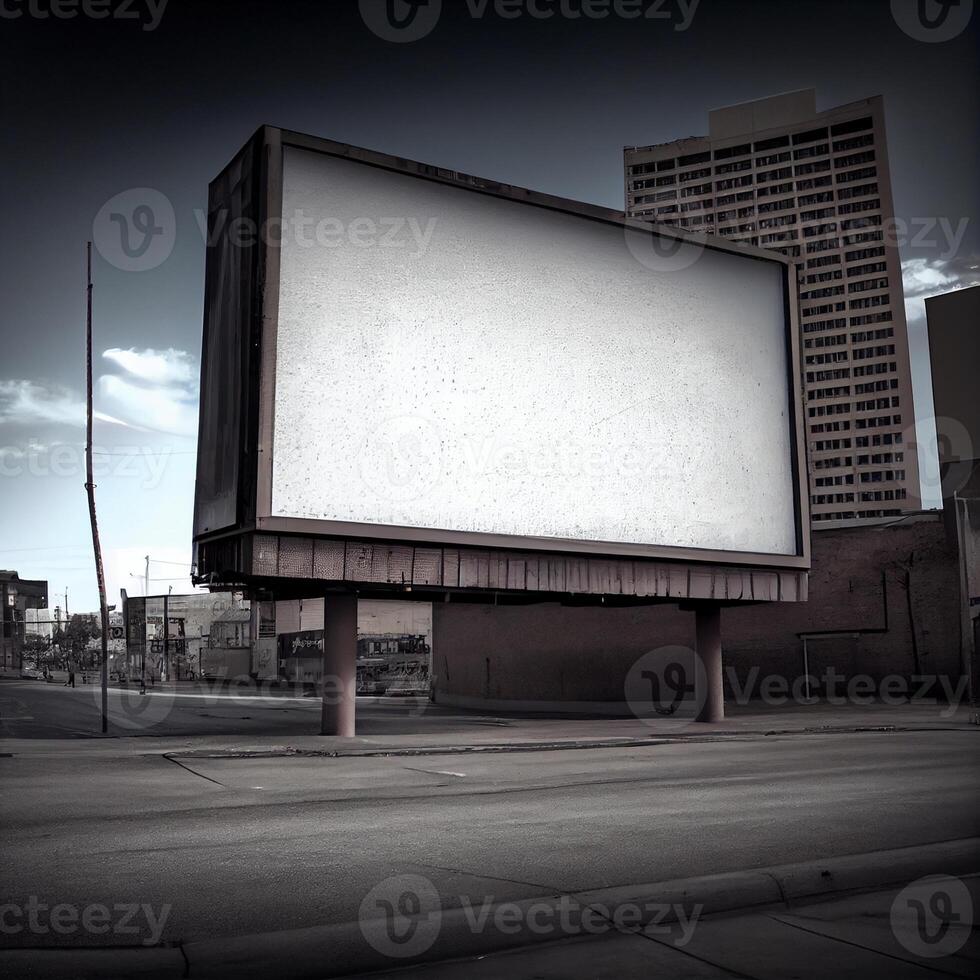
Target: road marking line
(436, 772)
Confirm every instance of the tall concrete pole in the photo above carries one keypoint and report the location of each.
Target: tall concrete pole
(339, 664)
(90, 492)
(708, 643)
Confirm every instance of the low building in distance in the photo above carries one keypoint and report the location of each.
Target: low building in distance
(17, 595)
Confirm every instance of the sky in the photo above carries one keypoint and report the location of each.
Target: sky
(152, 98)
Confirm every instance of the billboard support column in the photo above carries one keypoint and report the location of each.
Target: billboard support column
(708, 646)
(339, 663)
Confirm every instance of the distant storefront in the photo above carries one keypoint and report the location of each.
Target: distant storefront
(387, 663)
(170, 637)
(17, 595)
(210, 636)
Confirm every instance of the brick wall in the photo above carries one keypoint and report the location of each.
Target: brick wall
(549, 653)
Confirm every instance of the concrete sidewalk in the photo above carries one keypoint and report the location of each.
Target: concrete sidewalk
(200, 685)
(514, 733)
(843, 917)
(859, 936)
(471, 732)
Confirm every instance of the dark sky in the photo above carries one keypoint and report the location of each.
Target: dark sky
(92, 108)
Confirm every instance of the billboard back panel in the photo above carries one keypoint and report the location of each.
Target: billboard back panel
(455, 361)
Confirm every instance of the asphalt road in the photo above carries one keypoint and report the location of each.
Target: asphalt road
(237, 846)
(35, 710)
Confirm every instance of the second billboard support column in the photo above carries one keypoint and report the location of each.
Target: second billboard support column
(339, 664)
(708, 644)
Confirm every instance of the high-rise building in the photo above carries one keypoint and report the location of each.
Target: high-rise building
(814, 185)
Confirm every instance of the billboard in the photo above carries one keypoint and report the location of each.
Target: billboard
(436, 359)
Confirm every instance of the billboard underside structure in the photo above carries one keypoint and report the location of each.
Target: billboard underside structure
(414, 379)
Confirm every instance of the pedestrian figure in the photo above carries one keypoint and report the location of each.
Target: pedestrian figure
(71, 674)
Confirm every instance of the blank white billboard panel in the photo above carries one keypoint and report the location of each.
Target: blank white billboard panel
(458, 361)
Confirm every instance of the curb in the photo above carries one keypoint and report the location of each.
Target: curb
(342, 950)
(290, 751)
(546, 745)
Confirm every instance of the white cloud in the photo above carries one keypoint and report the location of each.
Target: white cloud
(160, 408)
(24, 402)
(28, 401)
(160, 367)
(154, 391)
(924, 278)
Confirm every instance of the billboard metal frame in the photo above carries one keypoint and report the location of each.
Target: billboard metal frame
(256, 437)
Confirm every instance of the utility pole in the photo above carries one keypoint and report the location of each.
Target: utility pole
(90, 490)
(146, 579)
(165, 673)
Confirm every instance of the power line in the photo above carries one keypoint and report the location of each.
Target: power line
(161, 452)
